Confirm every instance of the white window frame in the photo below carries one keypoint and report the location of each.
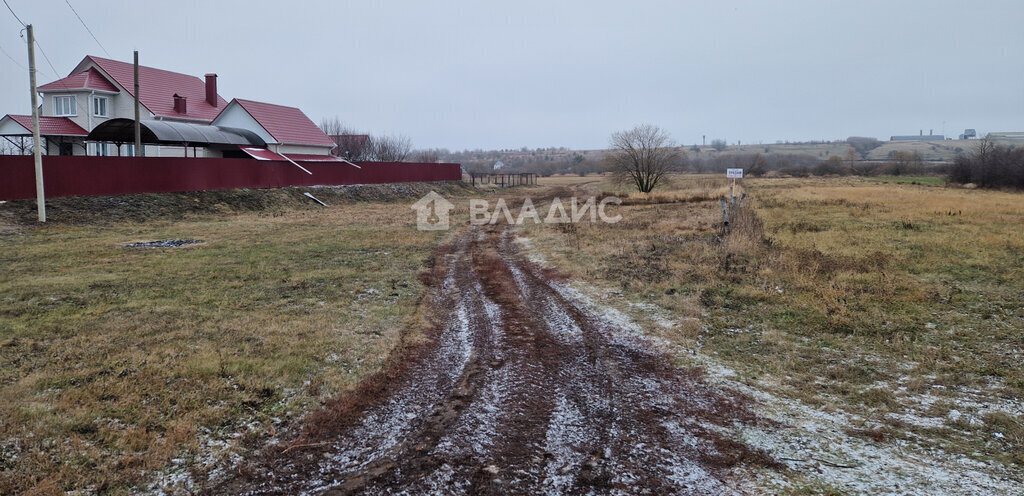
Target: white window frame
(96, 108)
(99, 149)
(71, 111)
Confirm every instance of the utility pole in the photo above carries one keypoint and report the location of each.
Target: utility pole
(138, 126)
(36, 141)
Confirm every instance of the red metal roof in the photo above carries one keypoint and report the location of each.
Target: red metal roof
(262, 154)
(50, 126)
(89, 79)
(286, 124)
(158, 88)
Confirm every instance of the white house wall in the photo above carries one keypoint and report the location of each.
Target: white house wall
(11, 127)
(121, 105)
(300, 149)
(81, 116)
(236, 116)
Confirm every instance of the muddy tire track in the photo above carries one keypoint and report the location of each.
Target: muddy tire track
(523, 390)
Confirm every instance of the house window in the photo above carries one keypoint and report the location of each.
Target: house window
(99, 106)
(65, 106)
(99, 149)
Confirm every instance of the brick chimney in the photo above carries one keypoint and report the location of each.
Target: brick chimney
(180, 104)
(211, 89)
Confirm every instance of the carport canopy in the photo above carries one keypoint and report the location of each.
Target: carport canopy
(173, 133)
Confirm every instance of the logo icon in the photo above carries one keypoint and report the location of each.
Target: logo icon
(432, 212)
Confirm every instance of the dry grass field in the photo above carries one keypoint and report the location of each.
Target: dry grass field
(120, 366)
(893, 306)
(897, 306)
(927, 150)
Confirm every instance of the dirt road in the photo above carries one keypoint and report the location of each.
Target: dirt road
(524, 391)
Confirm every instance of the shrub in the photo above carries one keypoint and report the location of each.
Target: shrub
(990, 166)
(863, 145)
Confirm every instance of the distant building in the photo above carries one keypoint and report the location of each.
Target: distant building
(919, 137)
(968, 134)
(351, 146)
(498, 165)
(1007, 135)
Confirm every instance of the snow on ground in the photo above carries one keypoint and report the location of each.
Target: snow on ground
(478, 421)
(814, 444)
(566, 432)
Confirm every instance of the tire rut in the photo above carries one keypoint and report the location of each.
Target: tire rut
(526, 390)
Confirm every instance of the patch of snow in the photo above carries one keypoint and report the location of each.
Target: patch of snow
(531, 254)
(815, 443)
(566, 438)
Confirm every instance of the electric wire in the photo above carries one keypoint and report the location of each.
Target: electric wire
(87, 27)
(12, 59)
(12, 13)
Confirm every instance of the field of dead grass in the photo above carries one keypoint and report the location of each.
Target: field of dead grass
(571, 180)
(899, 304)
(120, 366)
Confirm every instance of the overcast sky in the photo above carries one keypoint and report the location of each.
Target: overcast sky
(558, 73)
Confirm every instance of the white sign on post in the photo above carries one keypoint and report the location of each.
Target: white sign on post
(734, 173)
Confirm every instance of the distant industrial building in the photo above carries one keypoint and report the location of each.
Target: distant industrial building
(1015, 135)
(968, 134)
(919, 137)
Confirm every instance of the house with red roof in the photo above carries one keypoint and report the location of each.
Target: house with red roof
(88, 113)
(286, 130)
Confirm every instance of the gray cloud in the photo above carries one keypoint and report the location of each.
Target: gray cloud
(536, 73)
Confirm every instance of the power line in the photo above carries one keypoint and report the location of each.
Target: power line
(12, 59)
(12, 13)
(47, 58)
(78, 102)
(86, 27)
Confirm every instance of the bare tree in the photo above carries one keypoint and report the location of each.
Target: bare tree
(8, 148)
(903, 162)
(332, 126)
(351, 144)
(427, 156)
(390, 148)
(757, 166)
(24, 146)
(643, 156)
(719, 144)
(863, 145)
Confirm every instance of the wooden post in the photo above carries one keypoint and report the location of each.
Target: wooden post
(36, 141)
(725, 215)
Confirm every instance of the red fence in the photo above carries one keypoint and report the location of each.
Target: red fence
(89, 176)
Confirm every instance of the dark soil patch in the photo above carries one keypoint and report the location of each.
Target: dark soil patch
(166, 243)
